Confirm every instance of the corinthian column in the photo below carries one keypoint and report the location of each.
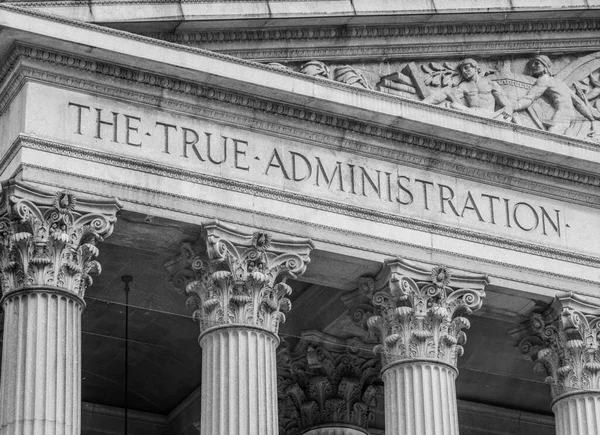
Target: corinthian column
(420, 328)
(240, 300)
(47, 251)
(564, 343)
(327, 386)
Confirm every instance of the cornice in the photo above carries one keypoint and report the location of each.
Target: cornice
(303, 200)
(420, 40)
(351, 235)
(494, 165)
(226, 36)
(412, 50)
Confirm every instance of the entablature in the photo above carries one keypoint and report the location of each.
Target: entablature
(102, 103)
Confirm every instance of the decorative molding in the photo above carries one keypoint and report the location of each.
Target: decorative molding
(295, 198)
(413, 50)
(485, 157)
(242, 278)
(350, 233)
(564, 344)
(529, 28)
(223, 96)
(50, 240)
(327, 382)
(422, 320)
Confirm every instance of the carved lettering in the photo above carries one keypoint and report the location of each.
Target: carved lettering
(555, 225)
(79, 107)
(425, 185)
(278, 164)
(337, 170)
(530, 218)
(307, 171)
(191, 138)
(237, 153)
(209, 152)
(100, 123)
(129, 128)
(447, 199)
(378, 185)
(404, 189)
(166, 128)
(367, 177)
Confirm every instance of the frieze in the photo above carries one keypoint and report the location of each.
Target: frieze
(300, 199)
(437, 145)
(352, 235)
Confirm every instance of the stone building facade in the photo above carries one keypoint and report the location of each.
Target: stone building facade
(287, 217)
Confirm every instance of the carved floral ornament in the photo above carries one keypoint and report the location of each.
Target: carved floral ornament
(241, 280)
(50, 240)
(326, 381)
(564, 343)
(423, 319)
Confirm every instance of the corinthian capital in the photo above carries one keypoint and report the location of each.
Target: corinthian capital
(50, 239)
(564, 343)
(327, 382)
(422, 318)
(242, 277)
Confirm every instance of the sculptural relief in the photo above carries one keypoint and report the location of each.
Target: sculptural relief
(536, 99)
(556, 93)
(528, 92)
(473, 94)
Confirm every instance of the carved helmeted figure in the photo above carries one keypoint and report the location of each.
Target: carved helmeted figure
(480, 94)
(556, 93)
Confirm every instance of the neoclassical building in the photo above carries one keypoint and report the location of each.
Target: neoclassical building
(298, 217)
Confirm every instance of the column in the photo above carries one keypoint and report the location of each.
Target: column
(420, 329)
(328, 385)
(47, 257)
(564, 344)
(239, 295)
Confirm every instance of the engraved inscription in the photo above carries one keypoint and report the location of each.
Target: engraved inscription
(364, 182)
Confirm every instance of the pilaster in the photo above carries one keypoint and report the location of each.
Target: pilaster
(239, 297)
(420, 328)
(563, 343)
(47, 257)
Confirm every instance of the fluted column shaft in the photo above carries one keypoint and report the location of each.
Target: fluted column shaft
(336, 430)
(40, 386)
(420, 398)
(578, 414)
(239, 381)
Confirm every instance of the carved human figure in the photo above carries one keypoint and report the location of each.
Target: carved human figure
(480, 94)
(556, 93)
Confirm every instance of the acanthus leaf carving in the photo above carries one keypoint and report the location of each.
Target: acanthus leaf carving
(423, 319)
(563, 342)
(329, 381)
(50, 240)
(242, 278)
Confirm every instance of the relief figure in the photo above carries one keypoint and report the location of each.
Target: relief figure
(556, 93)
(474, 94)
